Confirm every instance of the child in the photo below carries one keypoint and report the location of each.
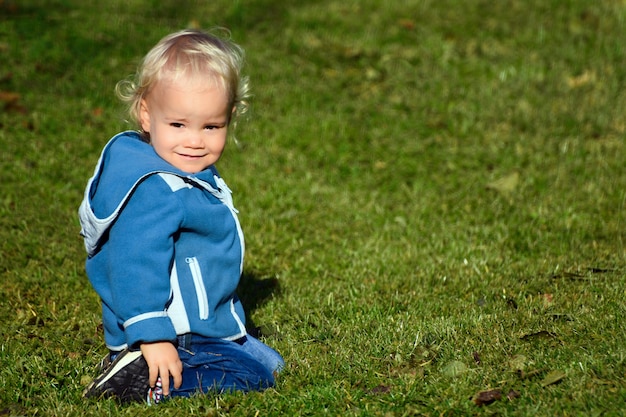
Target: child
(165, 248)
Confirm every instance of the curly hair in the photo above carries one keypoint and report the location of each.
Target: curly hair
(192, 53)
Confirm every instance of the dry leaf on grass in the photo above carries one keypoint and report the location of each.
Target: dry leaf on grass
(380, 389)
(9, 97)
(454, 368)
(487, 397)
(10, 101)
(542, 334)
(513, 395)
(553, 377)
(505, 185)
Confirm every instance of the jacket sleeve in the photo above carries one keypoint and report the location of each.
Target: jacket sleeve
(141, 250)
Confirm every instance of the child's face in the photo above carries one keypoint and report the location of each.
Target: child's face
(187, 122)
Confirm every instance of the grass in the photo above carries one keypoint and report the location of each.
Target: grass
(432, 193)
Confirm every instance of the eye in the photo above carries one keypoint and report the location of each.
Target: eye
(212, 127)
(176, 125)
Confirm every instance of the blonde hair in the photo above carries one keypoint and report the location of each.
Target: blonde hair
(190, 53)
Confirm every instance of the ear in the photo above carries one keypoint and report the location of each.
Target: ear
(144, 116)
(232, 114)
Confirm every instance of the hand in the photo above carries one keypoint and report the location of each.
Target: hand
(163, 361)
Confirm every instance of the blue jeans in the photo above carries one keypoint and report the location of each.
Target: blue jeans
(216, 365)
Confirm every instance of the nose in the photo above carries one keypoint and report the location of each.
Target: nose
(193, 139)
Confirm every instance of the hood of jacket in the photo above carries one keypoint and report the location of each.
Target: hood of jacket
(123, 164)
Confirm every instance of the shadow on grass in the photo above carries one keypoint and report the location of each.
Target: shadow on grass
(254, 291)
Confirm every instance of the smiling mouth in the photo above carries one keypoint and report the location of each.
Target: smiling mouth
(182, 155)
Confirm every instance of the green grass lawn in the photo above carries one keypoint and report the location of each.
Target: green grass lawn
(432, 193)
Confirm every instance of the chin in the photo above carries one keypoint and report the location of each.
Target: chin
(192, 170)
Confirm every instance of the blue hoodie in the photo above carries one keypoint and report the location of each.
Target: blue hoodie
(164, 247)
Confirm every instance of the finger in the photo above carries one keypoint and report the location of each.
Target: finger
(154, 373)
(165, 381)
(178, 379)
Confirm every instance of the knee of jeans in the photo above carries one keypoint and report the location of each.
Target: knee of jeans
(280, 365)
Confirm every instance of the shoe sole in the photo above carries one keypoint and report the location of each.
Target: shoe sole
(127, 379)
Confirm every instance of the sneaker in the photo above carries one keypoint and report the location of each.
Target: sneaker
(106, 362)
(126, 378)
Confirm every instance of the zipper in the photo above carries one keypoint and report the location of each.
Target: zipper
(224, 194)
(196, 275)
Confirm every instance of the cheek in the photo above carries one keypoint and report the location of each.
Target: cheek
(222, 145)
(218, 143)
